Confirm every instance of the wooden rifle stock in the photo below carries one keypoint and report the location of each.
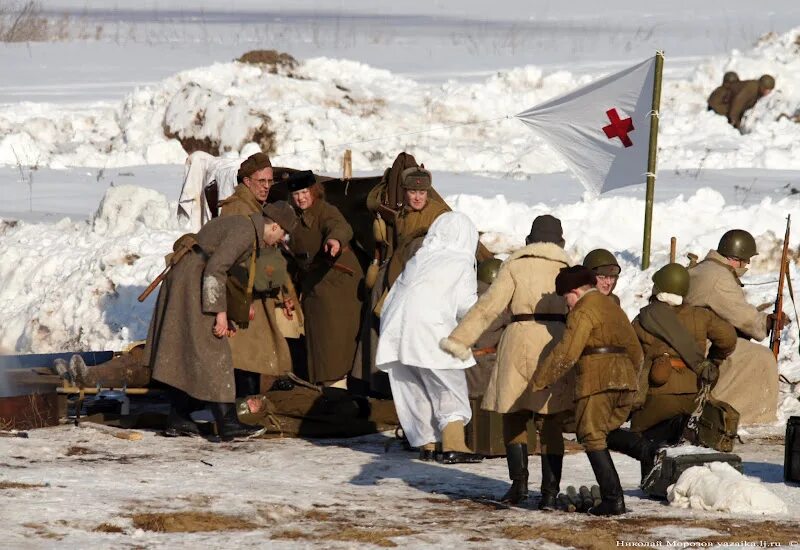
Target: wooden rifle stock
(176, 257)
(777, 315)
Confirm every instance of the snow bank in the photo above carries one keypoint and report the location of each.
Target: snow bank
(307, 117)
(73, 285)
(719, 487)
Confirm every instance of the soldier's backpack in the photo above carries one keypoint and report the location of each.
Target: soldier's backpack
(669, 468)
(791, 459)
(717, 426)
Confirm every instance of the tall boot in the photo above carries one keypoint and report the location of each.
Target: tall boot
(551, 481)
(635, 446)
(454, 447)
(667, 432)
(246, 383)
(228, 425)
(179, 421)
(613, 500)
(517, 458)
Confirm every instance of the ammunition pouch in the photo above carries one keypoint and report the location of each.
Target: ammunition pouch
(660, 370)
(718, 425)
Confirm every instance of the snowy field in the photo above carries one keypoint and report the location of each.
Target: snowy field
(91, 167)
(80, 488)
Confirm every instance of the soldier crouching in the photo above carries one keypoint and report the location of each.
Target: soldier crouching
(601, 342)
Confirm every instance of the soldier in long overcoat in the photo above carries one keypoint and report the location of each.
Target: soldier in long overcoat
(187, 344)
(526, 285)
(748, 379)
(259, 351)
(330, 281)
(601, 342)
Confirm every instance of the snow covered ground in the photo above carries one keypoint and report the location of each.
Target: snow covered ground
(86, 488)
(83, 121)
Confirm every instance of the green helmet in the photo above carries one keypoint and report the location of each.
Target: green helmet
(600, 259)
(766, 82)
(487, 270)
(729, 77)
(672, 278)
(737, 243)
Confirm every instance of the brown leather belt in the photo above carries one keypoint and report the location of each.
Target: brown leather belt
(603, 350)
(541, 317)
(482, 352)
(677, 363)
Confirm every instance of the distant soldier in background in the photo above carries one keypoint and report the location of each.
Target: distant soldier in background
(745, 94)
(525, 284)
(749, 377)
(720, 99)
(601, 342)
(606, 269)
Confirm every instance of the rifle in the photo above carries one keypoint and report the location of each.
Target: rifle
(777, 315)
(174, 259)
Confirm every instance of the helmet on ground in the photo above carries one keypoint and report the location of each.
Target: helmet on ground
(487, 270)
(672, 278)
(737, 243)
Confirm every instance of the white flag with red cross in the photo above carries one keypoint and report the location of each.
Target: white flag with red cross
(602, 130)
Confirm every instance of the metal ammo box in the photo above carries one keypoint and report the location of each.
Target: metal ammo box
(671, 467)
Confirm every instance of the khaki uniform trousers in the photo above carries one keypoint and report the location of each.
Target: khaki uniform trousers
(548, 426)
(660, 407)
(598, 414)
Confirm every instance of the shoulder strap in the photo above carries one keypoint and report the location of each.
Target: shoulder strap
(661, 321)
(251, 273)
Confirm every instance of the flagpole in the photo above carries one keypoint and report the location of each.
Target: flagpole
(651, 161)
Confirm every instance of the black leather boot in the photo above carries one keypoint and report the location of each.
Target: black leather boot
(635, 446)
(228, 425)
(247, 383)
(179, 423)
(517, 458)
(551, 481)
(613, 500)
(667, 432)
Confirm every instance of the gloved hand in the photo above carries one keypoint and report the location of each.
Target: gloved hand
(455, 348)
(708, 373)
(785, 321)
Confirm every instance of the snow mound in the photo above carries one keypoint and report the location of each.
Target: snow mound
(307, 117)
(125, 206)
(719, 487)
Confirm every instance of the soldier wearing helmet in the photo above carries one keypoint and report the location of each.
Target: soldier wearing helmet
(525, 285)
(720, 99)
(745, 94)
(749, 377)
(606, 269)
(674, 338)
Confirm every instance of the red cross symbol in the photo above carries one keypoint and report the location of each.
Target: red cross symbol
(618, 128)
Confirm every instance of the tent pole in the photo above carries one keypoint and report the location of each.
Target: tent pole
(651, 161)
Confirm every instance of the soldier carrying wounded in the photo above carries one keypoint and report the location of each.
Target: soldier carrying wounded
(437, 287)
(525, 284)
(601, 342)
(735, 98)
